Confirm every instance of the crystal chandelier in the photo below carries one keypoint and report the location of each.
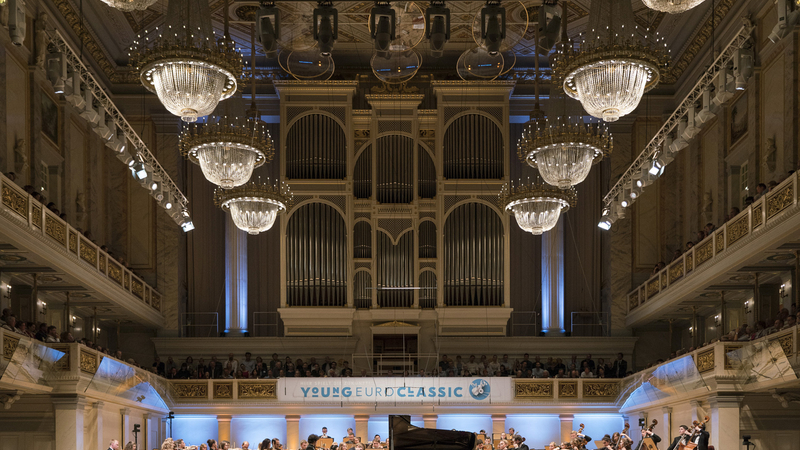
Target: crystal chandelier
(612, 69)
(130, 5)
(536, 206)
(185, 65)
(227, 148)
(672, 6)
(563, 150)
(254, 206)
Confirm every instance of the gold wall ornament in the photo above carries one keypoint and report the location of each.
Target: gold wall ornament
(156, 302)
(787, 342)
(88, 362)
(675, 271)
(533, 389)
(102, 263)
(361, 134)
(567, 389)
(737, 229)
(729, 362)
(127, 278)
(73, 242)
(190, 389)
(600, 389)
(15, 201)
(36, 215)
(758, 213)
(780, 200)
(223, 390)
(704, 252)
(55, 229)
(633, 300)
(115, 272)
(10, 344)
(653, 287)
(689, 262)
(705, 361)
(257, 390)
(88, 253)
(137, 288)
(63, 363)
(719, 239)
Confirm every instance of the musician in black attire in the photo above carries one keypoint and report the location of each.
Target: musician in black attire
(520, 443)
(701, 437)
(312, 442)
(579, 440)
(684, 434)
(648, 434)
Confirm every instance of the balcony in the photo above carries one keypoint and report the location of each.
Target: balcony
(34, 240)
(763, 237)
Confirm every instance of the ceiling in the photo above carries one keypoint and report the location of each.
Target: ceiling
(111, 32)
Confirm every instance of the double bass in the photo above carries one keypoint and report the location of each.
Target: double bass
(688, 444)
(622, 436)
(647, 443)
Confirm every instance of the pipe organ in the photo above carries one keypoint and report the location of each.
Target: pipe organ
(396, 202)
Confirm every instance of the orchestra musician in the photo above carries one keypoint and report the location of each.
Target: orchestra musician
(700, 436)
(578, 440)
(519, 442)
(683, 436)
(312, 441)
(324, 433)
(376, 442)
(648, 434)
(622, 441)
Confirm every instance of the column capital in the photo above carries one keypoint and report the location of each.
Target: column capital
(224, 418)
(430, 416)
(666, 409)
(498, 417)
(694, 403)
(566, 417)
(725, 401)
(360, 417)
(70, 402)
(292, 418)
(98, 404)
(125, 411)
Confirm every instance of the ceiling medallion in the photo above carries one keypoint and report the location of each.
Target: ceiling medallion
(536, 206)
(672, 6)
(227, 149)
(254, 206)
(130, 5)
(614, 66)
(187, 67)
(564, 149)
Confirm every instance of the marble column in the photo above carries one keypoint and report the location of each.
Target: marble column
(429, 420)
(498, 424)
(95, 425)
(667, 421)
(553, 280)
(292, 432)
(145, 437)
(126, 435)
(566, 425)
(362, 428)
(69, 421)
(235, 279)
(724, 424)
(224, 427)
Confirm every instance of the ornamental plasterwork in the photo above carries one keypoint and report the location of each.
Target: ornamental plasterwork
(568, 389)
(10, 344)
(780, 201)
(675, 271)
(88, 253)
(600, 389)
(36, 216)
(705, 361)
(633, 300)
(737, 230)
(719, 238)
(786, 344)
(223, 390)
(88, 362)
(257, 390)
(704, 252)
(758, 212)
(652, 287)
(137, 288)
(73, 243)
(115, 272)
(190, 390)
(15, 201)
(533, 389)
(55, 229)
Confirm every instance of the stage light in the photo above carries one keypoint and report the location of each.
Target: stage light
(326, 26)
(382, 26)
(268, 27)
(437, 23)
(493, 27)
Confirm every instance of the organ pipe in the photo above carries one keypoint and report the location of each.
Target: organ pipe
(427, 293)
(362, 285)
(473, 148)
(316, 148)
(427, 239)
(362, 240)
(316, 242)
(473, 266)
(395, 269)
(426, 187)
(362, 175)
(395, 169)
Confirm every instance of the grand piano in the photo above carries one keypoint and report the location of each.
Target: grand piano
(404, 436)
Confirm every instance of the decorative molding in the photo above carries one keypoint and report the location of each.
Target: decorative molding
(705, 361)
(88, 253)
(786, 344)
(15, 201)
(137, 288)
(780, 200)
(600, 389)
(258, 390)
(652, 287)
(738, 229)
(223, 390)
(568, 389)
(55, 229)
(10, 344)
(704, 252)
(676, 271)
(533, 389)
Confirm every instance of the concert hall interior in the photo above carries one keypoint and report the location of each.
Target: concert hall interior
(438, 224)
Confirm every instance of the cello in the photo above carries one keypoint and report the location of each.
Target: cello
(623, 436)
(648, 443)
(690, 445)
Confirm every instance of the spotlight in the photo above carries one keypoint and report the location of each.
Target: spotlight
(721, 89)
(76, 95)
(437, 22)
(16, 21)
(493, 26)
(154, 183)
(680, 143)
(167, 202)
(787, 17)
(636, 190)
(187, 226)
(89, 113)
(139, 170)
(549, 25)
(626, 198)
(692, 127)
(604, 224)
(382, 26)
(326, 26)
(656, 167)
(56, 65)
(742, 67)
(268, 27)
(705, 115)
(126, 158)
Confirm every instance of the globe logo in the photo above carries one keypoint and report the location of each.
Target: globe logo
(479, 389)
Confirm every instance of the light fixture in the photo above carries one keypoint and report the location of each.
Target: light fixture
(625, 198)
(130, 5)
(17, 21)
(57, 71)
(718, 320)
(636, 190)
(742, 67)
(723, 89)
(254, 206)
(382, 26)
(437, 27)
(564, 149)
(188, 68)
(782, 293)
(680, 142)
(748, 306)
(227, 149)
(787, 17)
(613, 68)
(655, 167)
(139, 170)
(605, 222)
(268, 27)
(326, 26)
(493, 26)
(536, 206)
(692, 125)
(691, 331)
(672, 6)
(706, 114)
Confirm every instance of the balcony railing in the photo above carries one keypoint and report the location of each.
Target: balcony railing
(33, 217)
(754, 221)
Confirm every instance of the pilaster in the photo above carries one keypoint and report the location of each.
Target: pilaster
(566, 425)
(725, 421)
(69, 418)
(224, 427)
(292, 432)
(429, 420)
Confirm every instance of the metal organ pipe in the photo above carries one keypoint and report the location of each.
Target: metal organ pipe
(316, 148)
(473, 148)
(395, 169)
(362, 175)
(426, 186)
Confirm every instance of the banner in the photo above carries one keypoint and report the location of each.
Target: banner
(421, 390)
